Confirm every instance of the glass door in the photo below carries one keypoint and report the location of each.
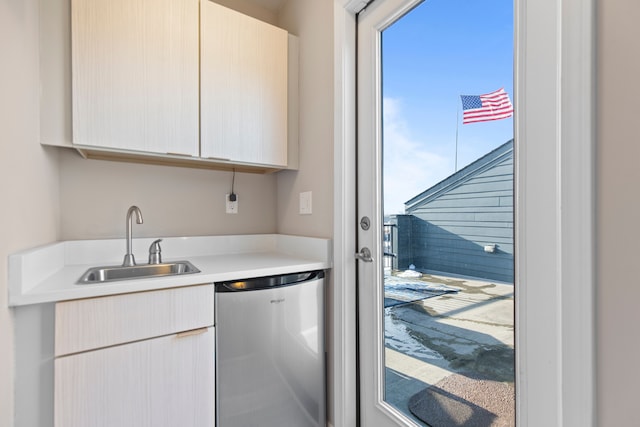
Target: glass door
(435, 212)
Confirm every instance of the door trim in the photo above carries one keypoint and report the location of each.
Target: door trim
(555, 227)
(342, 385)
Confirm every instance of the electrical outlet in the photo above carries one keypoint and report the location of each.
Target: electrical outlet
(232, 207)
(305, 203)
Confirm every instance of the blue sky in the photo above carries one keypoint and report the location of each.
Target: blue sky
(440, 50)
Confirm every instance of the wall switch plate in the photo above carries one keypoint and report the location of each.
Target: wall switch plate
(305, 203)
(232, 207)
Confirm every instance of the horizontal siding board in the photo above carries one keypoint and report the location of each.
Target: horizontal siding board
(477, 240)
(432, 253)
(457, 247)
(447, 224)
(479, 190)
(448, 215)
(486, 192)
(483, 187)
(470, 232)
(458, 202)
(499, 177)
(423, 212)
(464, 196)
(506, 178)
(504, 168)
(444, 240)
(504, 175)
(481, 236)
(461, 254)
(496, 263)
(494, 216)
(503, 214)
(506, 201)
(482, 180)
(505, 243)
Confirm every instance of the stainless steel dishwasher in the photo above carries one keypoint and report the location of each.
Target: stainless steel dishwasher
(270, 354)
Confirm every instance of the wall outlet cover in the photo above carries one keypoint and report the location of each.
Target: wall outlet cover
(305, 203)
(232, 207)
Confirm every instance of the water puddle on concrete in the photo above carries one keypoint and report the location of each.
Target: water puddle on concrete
(397, 337)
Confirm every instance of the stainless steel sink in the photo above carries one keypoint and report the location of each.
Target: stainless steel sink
(112, 273)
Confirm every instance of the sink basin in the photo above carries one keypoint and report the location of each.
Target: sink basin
(116, 272)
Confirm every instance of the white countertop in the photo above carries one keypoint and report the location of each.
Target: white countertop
(50, 273)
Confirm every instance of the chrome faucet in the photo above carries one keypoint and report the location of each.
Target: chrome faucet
(129, 260)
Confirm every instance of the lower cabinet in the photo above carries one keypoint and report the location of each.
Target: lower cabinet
(160, 382)
(144, 359)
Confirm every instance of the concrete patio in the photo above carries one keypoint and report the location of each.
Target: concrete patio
(468, 332)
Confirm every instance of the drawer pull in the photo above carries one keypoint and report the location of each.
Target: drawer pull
(192, 332)
(169, 153)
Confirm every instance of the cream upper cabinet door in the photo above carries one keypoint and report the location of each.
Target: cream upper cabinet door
(135, 75)
(160, 382)
(243, 88)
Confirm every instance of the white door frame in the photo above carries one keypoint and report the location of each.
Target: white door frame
(554, 98)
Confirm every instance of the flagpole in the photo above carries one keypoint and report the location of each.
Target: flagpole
(457, 123)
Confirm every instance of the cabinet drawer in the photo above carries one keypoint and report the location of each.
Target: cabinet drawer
(92, 323)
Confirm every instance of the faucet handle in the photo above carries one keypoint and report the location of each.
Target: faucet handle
(155, 256)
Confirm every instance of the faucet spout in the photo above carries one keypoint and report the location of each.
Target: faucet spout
(129, 259)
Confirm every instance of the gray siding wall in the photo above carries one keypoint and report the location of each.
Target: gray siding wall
(449, 232)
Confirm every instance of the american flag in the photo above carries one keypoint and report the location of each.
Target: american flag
(483, 108)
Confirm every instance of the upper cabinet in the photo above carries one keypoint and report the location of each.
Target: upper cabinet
(243, 87)
(182, 81)
(135, 75)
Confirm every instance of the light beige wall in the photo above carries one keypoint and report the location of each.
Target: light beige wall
(618, 212)
(312, 21)
(28, 173)
(95, 196)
